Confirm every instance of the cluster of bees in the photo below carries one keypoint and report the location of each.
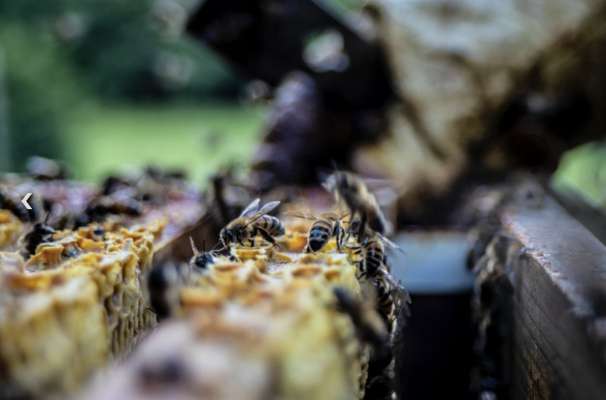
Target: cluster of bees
(119, 198)
(359, 231)
(355, 231)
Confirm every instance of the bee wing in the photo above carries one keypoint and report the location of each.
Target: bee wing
(328, 181)
(384, 190)
(251, 208)
(399, 293)
(266, 209)
(300, 215)
(376, 183)
(343, 214)
(390, 244)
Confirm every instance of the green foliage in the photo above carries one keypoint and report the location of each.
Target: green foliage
(584, 171)
(124, 50)
(38, 85)
(59, 54)
(133, 50)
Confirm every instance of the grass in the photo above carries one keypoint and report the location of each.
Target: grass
(102, 139)
(584, 170)
(202, 138)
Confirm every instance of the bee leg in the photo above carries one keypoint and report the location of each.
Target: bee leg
(267, 236)
(339, 235)
(362, 227)
(356, 249)
(344, 237)
(350, 231)
(357, 252)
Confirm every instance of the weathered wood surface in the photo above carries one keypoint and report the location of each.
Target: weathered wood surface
(485, 89)
(541, 306)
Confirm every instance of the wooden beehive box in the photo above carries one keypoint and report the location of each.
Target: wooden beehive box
(539, 299)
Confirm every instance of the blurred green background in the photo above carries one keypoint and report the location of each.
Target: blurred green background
(102, 84)
(108, 84)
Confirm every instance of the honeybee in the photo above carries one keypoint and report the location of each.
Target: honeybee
(271, 225)
(40, 233)
(45, 169)
(351, 191)
(103, 206)
(324, 227)
(391, 295)
(201, 259)
(372, 251)
(251, 222)
(373, 256)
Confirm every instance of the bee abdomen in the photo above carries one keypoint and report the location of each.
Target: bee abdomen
(374, 260)
(271, 225)
(385, 301)
(319, 234)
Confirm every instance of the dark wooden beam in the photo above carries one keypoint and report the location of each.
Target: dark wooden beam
(541, 305)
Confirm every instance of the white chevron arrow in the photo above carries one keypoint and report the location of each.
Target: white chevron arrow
(24, 201)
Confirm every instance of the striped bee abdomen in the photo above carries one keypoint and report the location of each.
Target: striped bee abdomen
(271, 225)
(374, 256)
(385, 303)
(319, 234)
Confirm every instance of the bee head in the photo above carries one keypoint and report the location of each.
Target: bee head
(43, 229)
(203, 260)
(314, 245)
(227, 236)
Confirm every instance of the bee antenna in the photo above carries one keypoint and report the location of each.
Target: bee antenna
(46, 217)
(217, 245)
(194, 249)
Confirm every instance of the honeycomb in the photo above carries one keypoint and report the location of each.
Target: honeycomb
(77, 300)
(10, 230)
(265, 326)
(72, 305)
